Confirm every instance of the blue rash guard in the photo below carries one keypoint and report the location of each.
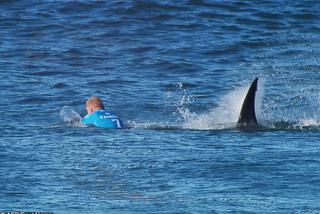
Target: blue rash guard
(104, 119)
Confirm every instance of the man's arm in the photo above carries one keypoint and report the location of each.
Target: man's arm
(88, 119)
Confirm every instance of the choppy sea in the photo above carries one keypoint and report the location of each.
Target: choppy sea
(176, 72)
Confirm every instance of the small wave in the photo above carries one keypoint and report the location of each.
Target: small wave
(73, 7)
(269, 15)
(151, 5)
(47, 73)
(60, 85)
(33, 100)
(223, 50)
(305, 16)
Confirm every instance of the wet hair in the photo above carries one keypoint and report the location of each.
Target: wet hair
(95, 102)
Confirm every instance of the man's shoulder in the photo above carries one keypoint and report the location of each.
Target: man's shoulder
(89, 118)
(103, 114)
(103, 118)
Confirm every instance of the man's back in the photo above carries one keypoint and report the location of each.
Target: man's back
(104, 119)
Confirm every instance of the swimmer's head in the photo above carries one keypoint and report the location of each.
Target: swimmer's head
(93, 104)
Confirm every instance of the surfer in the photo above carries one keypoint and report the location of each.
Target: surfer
(99, 117)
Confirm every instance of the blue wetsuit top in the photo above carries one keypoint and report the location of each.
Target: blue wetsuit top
(104, 119)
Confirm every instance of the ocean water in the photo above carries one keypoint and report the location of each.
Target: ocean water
(176, 72)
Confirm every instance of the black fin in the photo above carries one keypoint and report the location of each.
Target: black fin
(247, 116)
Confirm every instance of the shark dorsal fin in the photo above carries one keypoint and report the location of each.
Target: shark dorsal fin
(247, 116)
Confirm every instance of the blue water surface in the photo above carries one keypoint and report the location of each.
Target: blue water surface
(176, 73)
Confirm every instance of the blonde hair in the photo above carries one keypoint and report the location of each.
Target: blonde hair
(95, 103)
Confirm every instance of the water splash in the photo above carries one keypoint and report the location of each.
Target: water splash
(68, 115)
(182, 105)
(226, 114)
(309, 122)
(293, 108)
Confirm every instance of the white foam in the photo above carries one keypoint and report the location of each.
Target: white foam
(150, 125)
(309, 122)
(69, 115)
(225, 115)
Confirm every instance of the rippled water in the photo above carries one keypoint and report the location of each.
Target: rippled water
(176, 73)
